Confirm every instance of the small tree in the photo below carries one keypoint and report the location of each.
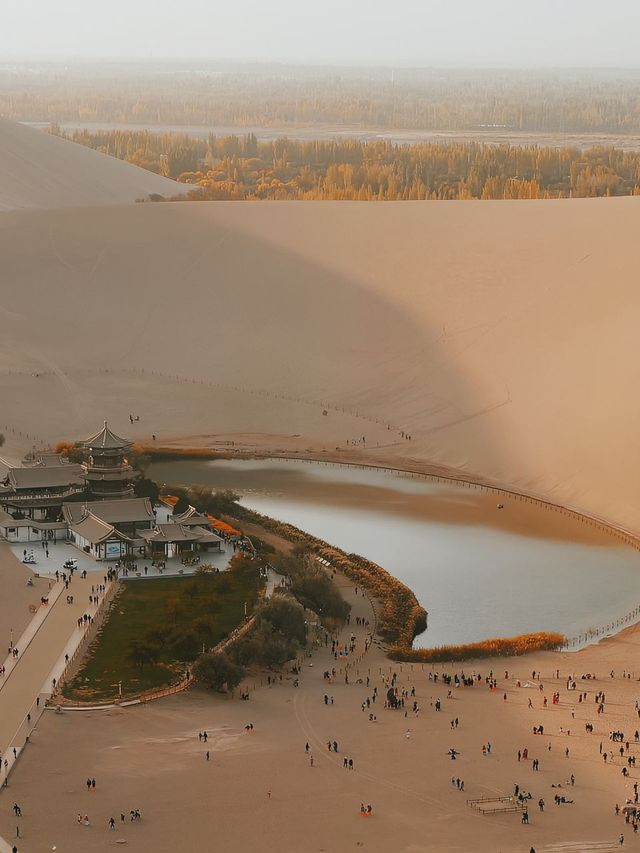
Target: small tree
(146, 488)
(182, 505)
(286, 616)
(265, 647)
(1, 439)
(142, 653)
(186, 645)
(217, 671)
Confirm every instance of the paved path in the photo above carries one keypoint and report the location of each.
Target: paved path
(31, 676)
(31, 630)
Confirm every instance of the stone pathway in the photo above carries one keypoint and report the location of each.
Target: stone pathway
(41, 660)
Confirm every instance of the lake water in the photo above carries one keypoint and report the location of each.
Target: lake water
(474, 576)
(396, 136)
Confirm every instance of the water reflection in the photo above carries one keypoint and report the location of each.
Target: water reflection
(479, 571)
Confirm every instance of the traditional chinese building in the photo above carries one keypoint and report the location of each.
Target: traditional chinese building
(92, 504)
(106, 470)
(32, 497)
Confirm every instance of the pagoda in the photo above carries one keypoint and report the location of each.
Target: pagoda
(106, 470)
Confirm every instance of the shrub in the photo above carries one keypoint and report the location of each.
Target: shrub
(496, 647)
(217, 671)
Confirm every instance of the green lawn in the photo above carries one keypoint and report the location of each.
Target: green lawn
(158, 625)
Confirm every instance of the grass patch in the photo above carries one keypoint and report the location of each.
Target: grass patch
(157, 625)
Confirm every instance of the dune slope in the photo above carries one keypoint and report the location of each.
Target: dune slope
(501, 335)
(41, 171)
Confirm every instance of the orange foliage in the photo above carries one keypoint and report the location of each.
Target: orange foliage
(495, 647)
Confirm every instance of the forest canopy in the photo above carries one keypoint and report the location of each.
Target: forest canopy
(245, 168)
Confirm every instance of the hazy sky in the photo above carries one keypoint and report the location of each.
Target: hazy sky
(385, 32)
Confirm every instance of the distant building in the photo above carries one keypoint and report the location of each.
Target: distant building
(37, 492)
(92, 504)
(173, 540)
(32, 497)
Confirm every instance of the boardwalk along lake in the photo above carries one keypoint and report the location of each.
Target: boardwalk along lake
(480, 571)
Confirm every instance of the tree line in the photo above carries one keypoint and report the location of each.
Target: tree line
(604, 101)
(246, 168)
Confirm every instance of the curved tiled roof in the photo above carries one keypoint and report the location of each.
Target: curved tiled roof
(106, 439)
(112, 512)
(44, 477)
(95, 530)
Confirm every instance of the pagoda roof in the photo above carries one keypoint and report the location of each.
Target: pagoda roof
(106, 439)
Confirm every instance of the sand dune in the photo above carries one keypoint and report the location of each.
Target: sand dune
(501, 335)
(41, 171)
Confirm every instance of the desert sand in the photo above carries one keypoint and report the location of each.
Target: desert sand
(260, 791)
(39, 171)
(484, 330)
